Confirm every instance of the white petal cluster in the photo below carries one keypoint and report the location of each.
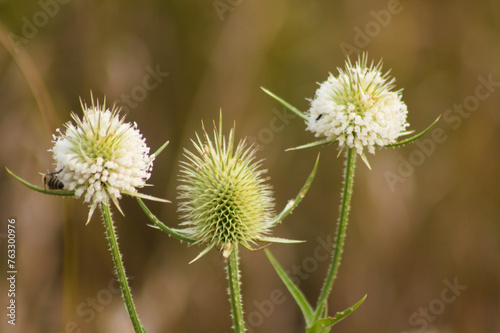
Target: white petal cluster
(101, 156)
(358, 109)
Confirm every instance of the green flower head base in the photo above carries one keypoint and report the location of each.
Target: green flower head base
(224, 200)
(358, 108)
(101, 156)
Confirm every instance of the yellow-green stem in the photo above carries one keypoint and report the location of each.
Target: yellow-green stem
(233, 277)
(120, 269)
(345, 206)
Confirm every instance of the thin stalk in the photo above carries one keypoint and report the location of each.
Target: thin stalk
(120, 269)
(345, 207)
(233, 277)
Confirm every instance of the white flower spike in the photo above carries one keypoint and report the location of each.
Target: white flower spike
(101, 156)
(358, 108)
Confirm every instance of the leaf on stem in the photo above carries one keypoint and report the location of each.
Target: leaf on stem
(312, 144)
(145, 196)
(415, 137)
(296, 293)
(286, 104)
(279, 240)
(39, 189)
(202, 253)
(406, 133)
(295, 202)
(159, 225)
(330, 321)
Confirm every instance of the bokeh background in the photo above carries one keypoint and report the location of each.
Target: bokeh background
(437, 224)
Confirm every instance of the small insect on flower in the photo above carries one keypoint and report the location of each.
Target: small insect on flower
(51, 181)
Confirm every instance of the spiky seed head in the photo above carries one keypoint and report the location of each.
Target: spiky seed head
(223, 199)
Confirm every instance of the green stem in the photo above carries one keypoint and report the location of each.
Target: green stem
(345, 206)
(233, 277)
(120, 270)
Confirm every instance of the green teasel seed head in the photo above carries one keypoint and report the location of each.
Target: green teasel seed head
(224, 200)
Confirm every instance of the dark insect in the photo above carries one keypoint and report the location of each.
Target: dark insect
(51, 181)
(319, 117)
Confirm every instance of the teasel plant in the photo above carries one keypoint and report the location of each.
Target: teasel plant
(360, 111)
(225, 202)
(100, 157)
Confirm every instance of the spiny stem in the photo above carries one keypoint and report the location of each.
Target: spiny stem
(233, 277)
(120, 269)
(345, 206)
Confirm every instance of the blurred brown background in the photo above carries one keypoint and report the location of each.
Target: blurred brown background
(438, 224)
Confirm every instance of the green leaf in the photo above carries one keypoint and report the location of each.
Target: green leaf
(415, 137)
(202, 253)
(295, 202)
(312, 144)
(145, 196)
(326, 323)
(159, 225)
(286, 104)
(406, 133)
(279, 240)
(63, 193)
(296, 293)
(161, 149)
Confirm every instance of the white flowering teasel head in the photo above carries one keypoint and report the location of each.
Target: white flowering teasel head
(100, 156)
(358, 108)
